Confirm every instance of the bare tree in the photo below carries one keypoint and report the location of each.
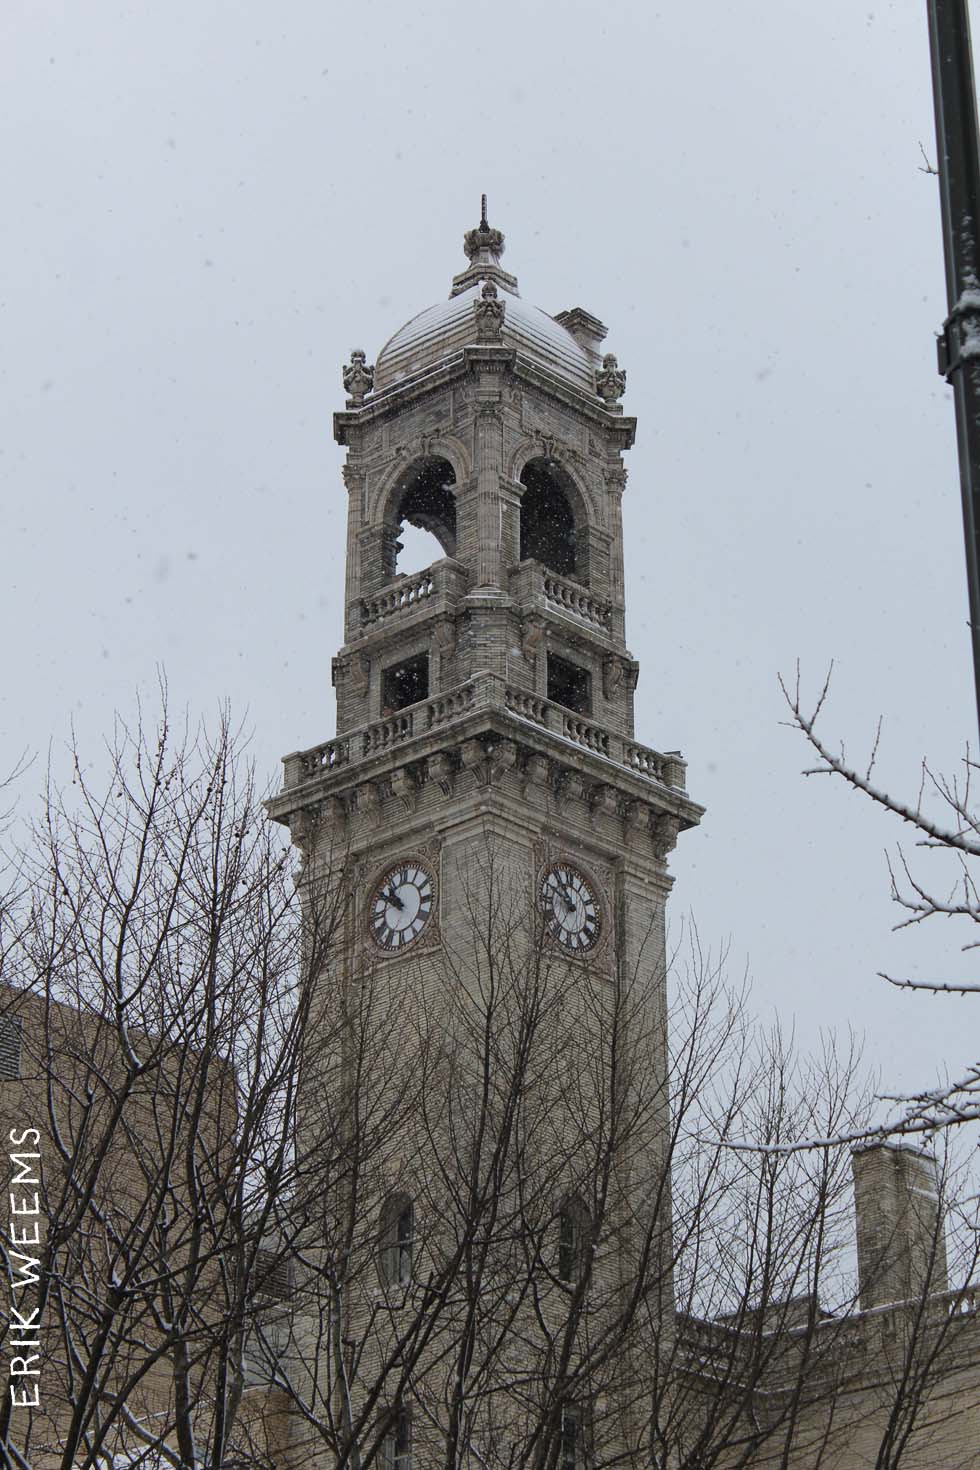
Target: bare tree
(945, 824)
(483, 1202)
(159, 981)
(544, 1248)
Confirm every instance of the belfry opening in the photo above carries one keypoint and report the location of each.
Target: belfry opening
(547, 520)
(426, 503)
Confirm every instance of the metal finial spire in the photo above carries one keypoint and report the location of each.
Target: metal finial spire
(484, 246)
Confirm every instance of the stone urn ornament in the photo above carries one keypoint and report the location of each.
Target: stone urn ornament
(358, 377)
(610, 380)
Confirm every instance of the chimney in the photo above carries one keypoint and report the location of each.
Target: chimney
(900, 1239)
(587, 330)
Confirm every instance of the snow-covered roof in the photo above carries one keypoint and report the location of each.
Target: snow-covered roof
(442, 331)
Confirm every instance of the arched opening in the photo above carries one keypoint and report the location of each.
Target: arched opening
(574, 1241)
(425, 512)
(547, 521)
(396, 1239)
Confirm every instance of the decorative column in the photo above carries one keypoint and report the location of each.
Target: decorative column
(615, 485)
(354, 480)
(489, 461)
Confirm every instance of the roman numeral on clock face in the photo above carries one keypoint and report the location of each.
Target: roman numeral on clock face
(570, 908)
(400, 906)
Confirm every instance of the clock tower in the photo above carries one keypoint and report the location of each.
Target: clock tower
(484, 794)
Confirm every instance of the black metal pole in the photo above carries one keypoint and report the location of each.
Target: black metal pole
(959, 191)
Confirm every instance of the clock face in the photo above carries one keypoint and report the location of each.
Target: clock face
(401, 906)
(571, 909)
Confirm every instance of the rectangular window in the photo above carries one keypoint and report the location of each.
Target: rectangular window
(568, 685)
(10, 1039)
(404, 684)
(404, 1244)
(398, 1443)
(567, 1248)
(571, 1437)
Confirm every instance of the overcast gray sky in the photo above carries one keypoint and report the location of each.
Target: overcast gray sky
(206, 206)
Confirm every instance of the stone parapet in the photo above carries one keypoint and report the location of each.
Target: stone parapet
(488, 692)
(536, 588)
(437, 589)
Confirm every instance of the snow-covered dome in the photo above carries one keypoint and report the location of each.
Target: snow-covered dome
(442, 331)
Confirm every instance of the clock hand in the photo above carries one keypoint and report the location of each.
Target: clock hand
(392, 897)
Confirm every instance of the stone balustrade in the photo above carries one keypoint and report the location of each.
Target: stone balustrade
(532, 582)
(670, 769)
(528, 706)
(450, 705)
(385, 733)
(487, 692)
(573, 598)
(444, 581)
(593, 737)
(306, 764)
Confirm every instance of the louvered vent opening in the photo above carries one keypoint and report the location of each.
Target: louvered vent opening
(10, 1039)
(273, 1277)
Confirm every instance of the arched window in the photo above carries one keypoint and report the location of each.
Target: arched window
(396, 1238)
(574, 1240)
(547, 522)
(425, 511)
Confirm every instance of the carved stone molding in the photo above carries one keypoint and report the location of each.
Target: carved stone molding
(636, 816)
(405, 787)
(572, 787)
(537, 770)
(473, 756)
(353, 476)
(489, 313)
(664, 829)
(368, 799)
(603, 801)
(442, 770)
(531, 636)
(501, 757)
(552, 785)
(359, 673)
(304, 826)
(612, 675)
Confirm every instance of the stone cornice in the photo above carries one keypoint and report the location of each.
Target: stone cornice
(621, 428)
(475, 744)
